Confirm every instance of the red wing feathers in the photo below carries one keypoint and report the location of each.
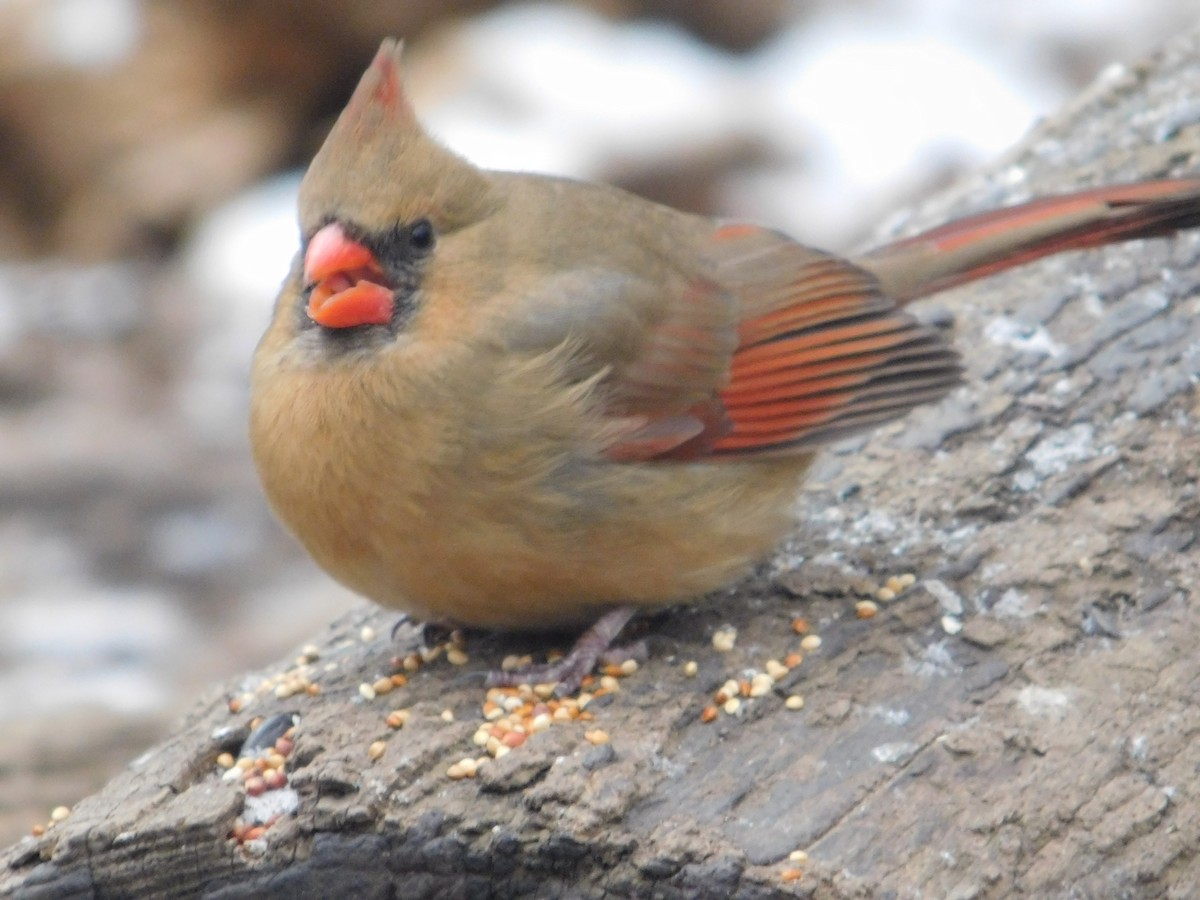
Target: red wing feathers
(784, 349)
(822, 353)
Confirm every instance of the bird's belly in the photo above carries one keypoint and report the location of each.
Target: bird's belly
(550, 556)
(511, 518)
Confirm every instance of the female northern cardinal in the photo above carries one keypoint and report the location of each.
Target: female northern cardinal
(521, 402)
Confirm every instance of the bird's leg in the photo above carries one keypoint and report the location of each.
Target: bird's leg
(568, 673)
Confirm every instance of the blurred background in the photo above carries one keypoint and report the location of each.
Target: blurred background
(149, 157)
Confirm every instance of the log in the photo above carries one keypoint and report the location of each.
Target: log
(1017, 722)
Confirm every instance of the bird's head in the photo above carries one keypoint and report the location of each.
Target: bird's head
(376, 202)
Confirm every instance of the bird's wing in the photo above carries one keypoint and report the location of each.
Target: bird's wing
(821, 352)
(764, 347)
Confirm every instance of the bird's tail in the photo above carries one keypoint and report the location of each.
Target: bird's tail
(981, 245)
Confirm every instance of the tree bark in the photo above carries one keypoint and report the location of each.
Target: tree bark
(1018, 722)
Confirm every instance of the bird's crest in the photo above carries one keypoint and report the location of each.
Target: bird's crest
(380, 95)
(378, 167)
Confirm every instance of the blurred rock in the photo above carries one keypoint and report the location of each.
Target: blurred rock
(121, 120)
(733, 24)
(636, 103)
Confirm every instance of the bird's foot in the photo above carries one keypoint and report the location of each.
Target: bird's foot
(593, 646)
(427, 635)
(434, 634)
(405, 619)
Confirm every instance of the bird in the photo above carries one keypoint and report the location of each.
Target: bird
(518, 402)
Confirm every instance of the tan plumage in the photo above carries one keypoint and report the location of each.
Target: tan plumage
(571, 399)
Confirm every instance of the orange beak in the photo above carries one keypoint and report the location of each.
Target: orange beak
(346, 278)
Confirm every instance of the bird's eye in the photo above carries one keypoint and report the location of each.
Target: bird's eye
(420, 235)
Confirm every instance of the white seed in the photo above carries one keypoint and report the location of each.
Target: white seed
(795, 701)
(776, 669)
(429, 654)
(729, 689)
(761, 684)
(866, 609)
(724, 638)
